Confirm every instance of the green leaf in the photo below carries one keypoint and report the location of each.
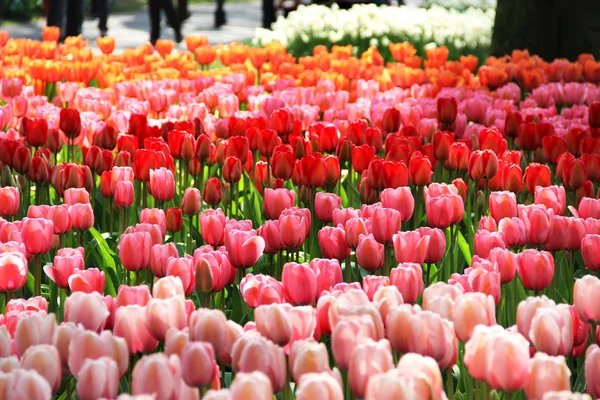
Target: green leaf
(104, 259)
(29, 283)
(464, 247)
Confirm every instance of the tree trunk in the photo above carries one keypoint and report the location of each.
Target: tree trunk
(549, 28)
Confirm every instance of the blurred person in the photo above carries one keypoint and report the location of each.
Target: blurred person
(184, 11)
(154, 8)
(220, 18)
(74, 16)
(100, 10)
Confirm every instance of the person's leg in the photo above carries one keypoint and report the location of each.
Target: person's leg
(74, 17)
(102, 9)
(56, 14)
(172, 18)
(154, 10)
(220, 18)
(184, 12)
(268, 13)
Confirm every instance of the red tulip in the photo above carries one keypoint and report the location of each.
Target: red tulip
(447, 109)
(212, 191)
(173, 220)
(458, 157)
(70, 122)
(420, 170)
(313, 171)
(536, 175)
(362, 157)
(441, 143)
(483, 164)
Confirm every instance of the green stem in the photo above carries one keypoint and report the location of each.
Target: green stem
(189, 236)
(387, 250)
(450, 384)
(348, 271)
(37, 274)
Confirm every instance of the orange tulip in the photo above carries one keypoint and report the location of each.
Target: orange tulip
(164, 46)
(50, 33)
(436, 57)
(402, 51)
(106, 44)
(193, 42)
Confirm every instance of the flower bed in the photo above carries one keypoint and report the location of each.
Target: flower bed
(362, 231)
(366, 25)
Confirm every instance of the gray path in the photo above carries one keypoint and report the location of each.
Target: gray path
(132, 29)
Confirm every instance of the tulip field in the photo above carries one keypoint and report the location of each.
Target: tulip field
(230, 222)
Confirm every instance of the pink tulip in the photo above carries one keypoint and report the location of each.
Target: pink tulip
(131, 324)
(553, 197)
(272, 322)
(276, 200)
(470, 310)
(33, 329)
(592, 369)
(551, 330)
(129, 295)
(198, 364)
(162, 184)
(76, 196)
(81, 216)
(98, 378)
(87, 281)
(244, 248)
(590, 250)
(340, 216)
(299, 283)
(37, 235)
(547, 374)
(589, 208)
(369, 358)
(513, 233)
(86, 345)
(162, 314)
(346, 335)
(332, 242)
(537, 221)
(371, 283)
(369, 253)
(328, 272)
(254, 353)
(486, 241)
(586, 298)
(386, 223)
(440, 298)
(159, 255)
(25, 384)
(251, 386)
(437, 244)
(157, 375)
(354, 228)
(10, 200)
(134, 250)
(506, 261)
(13, 271)
(408, 278)
(400, 199)
(87, 309)
(212, 224)
(503, 205)
(410, 247)
(321, 386)
(154, 216)
(325, 203)
(45, 360)
(221, 270)
(208, 326)
(185, 270)
(261, 290)
(536, 269)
